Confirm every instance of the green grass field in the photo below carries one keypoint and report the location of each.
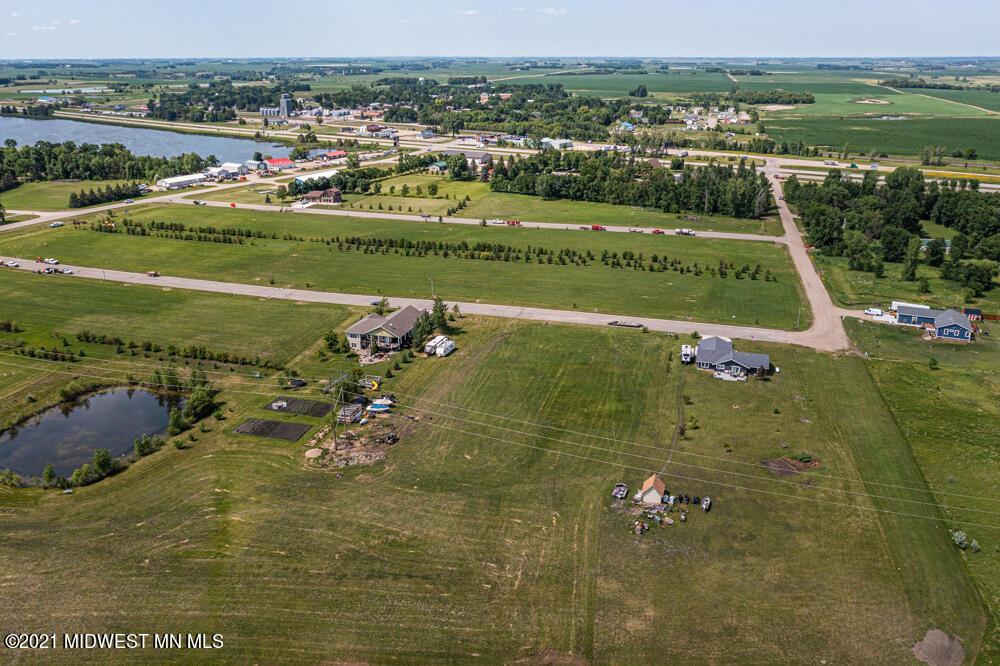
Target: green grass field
(477, 541)
(858, 289)
(487, 205)
(950, 417)
(316, 265)
(54, 195)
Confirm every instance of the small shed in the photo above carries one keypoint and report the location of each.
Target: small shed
(653, 490)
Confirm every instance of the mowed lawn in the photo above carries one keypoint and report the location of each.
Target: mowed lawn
(47, 311)
(54, 195)
(316, 265)
(475, 541)
(951, 417)
(486, 205)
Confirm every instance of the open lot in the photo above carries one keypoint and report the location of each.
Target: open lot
(857, 288)
(951, 418)
(519, 551)
(317, 265)
(485, 204)
(54, 195)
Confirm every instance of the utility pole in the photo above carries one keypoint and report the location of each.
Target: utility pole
(336, 388)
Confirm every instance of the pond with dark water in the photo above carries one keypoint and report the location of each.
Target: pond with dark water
(67, 435)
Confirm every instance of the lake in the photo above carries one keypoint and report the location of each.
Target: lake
(68, 435)
(139, 140)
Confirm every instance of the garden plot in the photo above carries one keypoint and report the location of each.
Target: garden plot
(277, 429)
(301, 406)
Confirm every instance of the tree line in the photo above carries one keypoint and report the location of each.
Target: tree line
(45, 161)
(872, 223)
(92, 197)
(218, 102)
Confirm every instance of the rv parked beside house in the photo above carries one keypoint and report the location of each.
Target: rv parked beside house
(717, 353)
(390, 333)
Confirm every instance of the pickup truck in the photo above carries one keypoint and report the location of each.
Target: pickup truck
(597, 227)
(684, 232)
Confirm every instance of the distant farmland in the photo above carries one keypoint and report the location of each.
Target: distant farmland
(894, 136)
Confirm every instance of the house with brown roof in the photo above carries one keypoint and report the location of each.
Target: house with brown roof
(389, 333)
(652, 491)
(329, 195)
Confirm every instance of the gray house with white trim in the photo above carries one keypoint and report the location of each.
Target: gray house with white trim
(717, 353)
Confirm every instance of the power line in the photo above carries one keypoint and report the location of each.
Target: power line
(621, 441)
(613, 452)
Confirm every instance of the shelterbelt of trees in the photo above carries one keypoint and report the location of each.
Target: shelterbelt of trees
(534, 110)
(740, 96)
(619, 179)
(218, 102)
(69, 161)
(871, 223)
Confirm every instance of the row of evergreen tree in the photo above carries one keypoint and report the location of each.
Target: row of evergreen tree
(92, 197)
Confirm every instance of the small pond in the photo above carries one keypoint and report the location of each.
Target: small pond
(68, 435)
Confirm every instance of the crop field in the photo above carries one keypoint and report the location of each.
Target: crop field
(485, 204)
(520, 553)
(899, 137)
(318, 265)
(860, 289)
(928, 403)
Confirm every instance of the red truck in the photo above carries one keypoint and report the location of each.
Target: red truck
(596, 227)
(513, 223)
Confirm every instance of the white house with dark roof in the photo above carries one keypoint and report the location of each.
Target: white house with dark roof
(717, 353)
(389, 333)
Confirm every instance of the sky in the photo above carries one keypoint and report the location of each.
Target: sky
(335, 28)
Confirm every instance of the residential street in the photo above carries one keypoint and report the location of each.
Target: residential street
(826, 332)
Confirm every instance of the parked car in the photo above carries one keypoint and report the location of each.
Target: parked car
(152, 274)
(597, 227)
(875, 312)
(296, 383)
(684, 232)
(10, 263)
(497, 221)
(620, 491)
(49, 271)
(706, 503)
(50, 260)
(67, 271)
(56, 225)
(658, 232)
(129, 201)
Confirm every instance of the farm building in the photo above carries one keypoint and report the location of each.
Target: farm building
(556, 144)
(945, 324)
(235, 169)
(330, 195)
(717, 353)
(653, 490)
(438, 168)
(279, 164)
(316, 175)
(333, 154)
(385, 333)
(178, 182)
(255, 165)
(477, 159)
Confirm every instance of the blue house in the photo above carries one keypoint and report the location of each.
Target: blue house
(717, 353)
(909, 315)
(952, 325)
(945, 324)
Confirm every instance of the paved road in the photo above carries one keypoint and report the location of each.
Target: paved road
(824, 343)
